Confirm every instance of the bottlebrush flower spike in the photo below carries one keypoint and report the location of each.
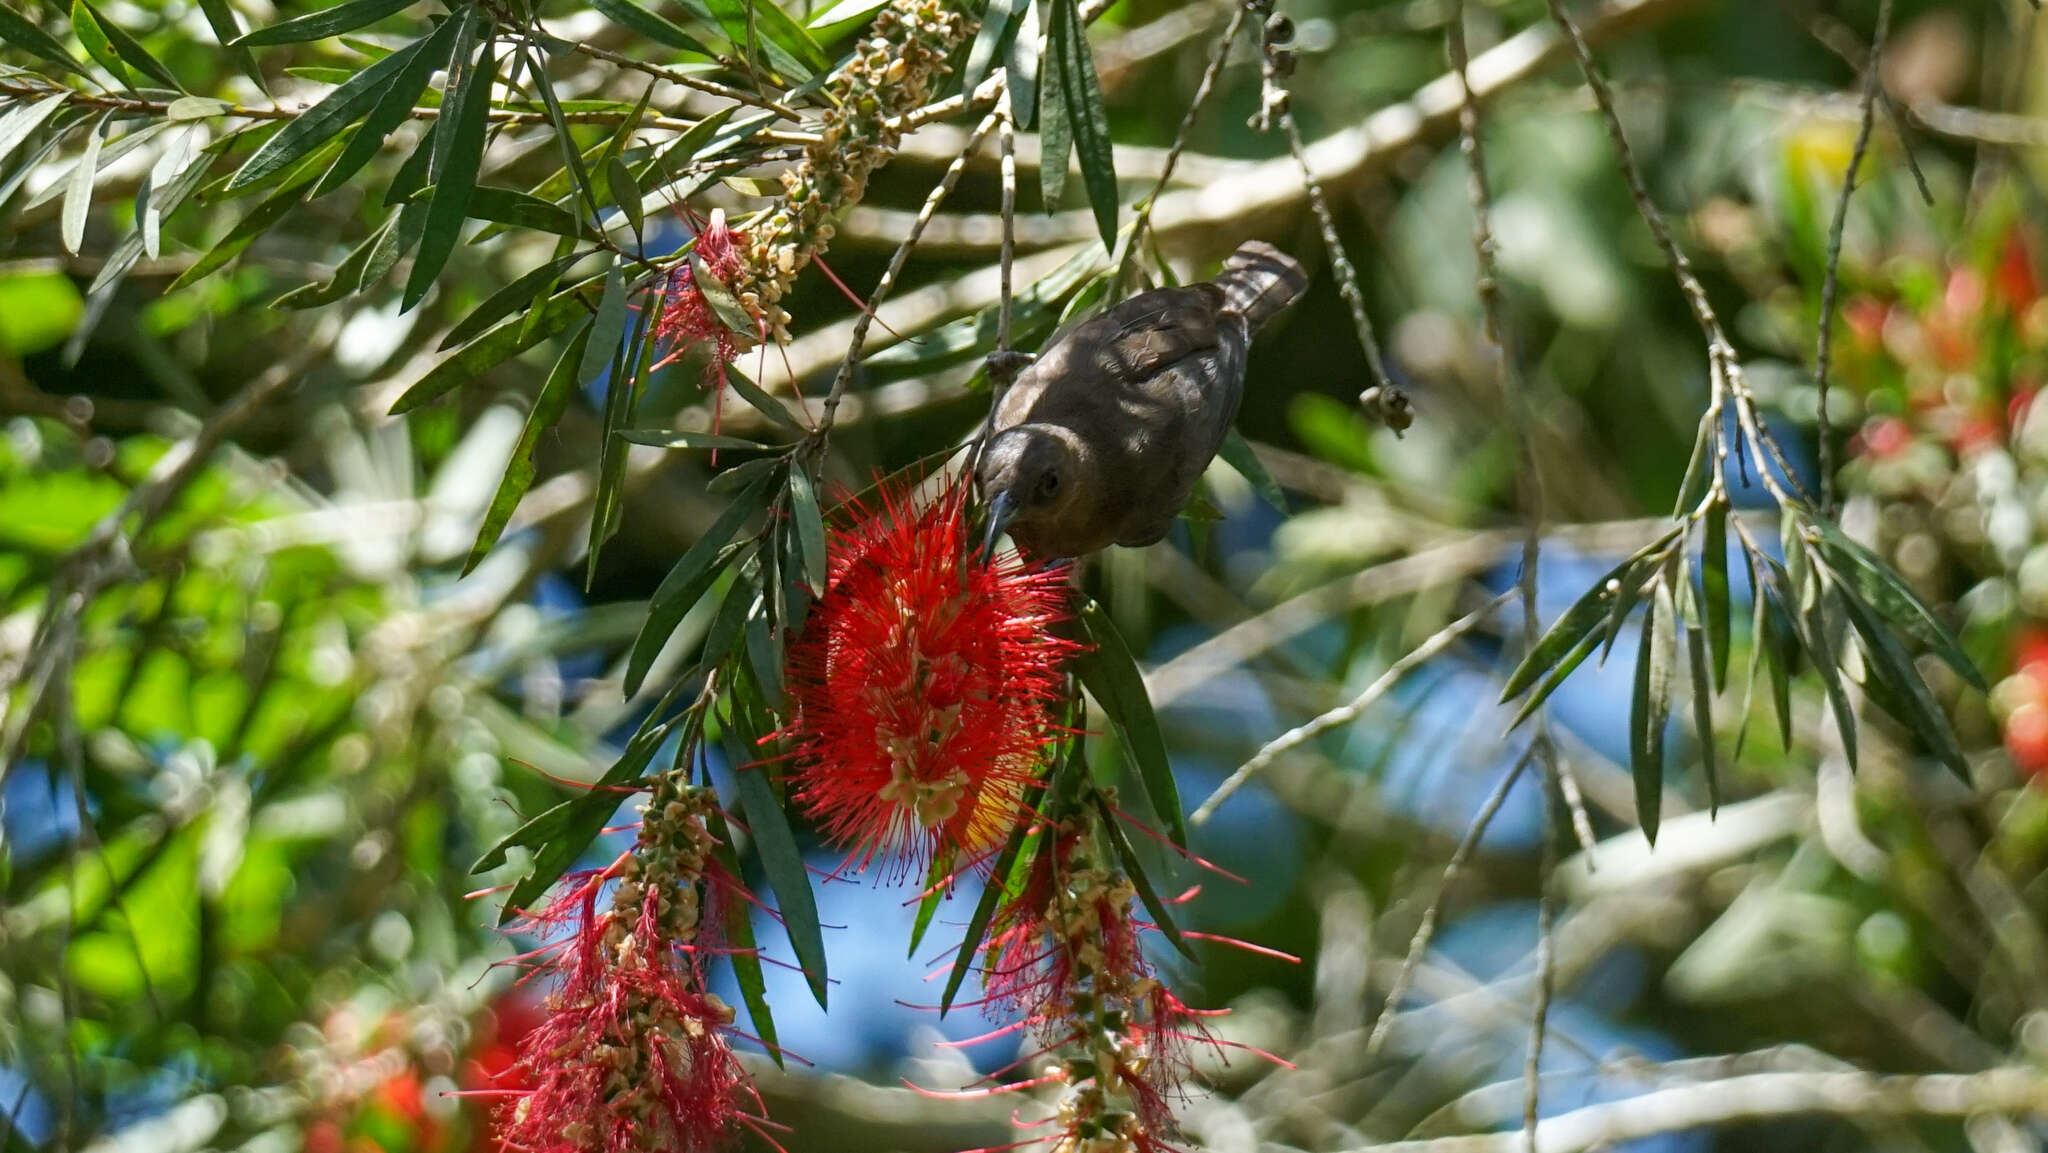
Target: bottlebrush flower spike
(632, 1054)
(923, 685)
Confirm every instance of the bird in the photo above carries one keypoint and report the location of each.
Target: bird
(1101, 439)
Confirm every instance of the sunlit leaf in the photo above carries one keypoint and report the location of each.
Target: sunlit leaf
(1072, 74)
(394, 106)
(312, 128)
(324, 23)
(25, 34)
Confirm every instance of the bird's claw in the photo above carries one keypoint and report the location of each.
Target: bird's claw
(1004, 365)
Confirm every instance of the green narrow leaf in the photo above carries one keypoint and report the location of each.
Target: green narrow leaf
(25, 34)
(1860, 570)
(1237, 452)
(401, 239)
(324, 23)
(1055, 128)
(1781, 652)
(784, 865)
(810, 526)
(78, 197)
(669, 438)
(764, 656)
(563, 832)
(847, 12)
(739, 938)
(1111, 675)
(501, 343)
(636, 19)
(1565, 666)
(675, 595)
(727, 622)
(395, 106)
(1087, 119)
(312, 128)
(520, 210)
(1894, 666)
(626, 194)
(1135, 870)
(93, 38)
(608, 353)
(458, 150)
(1578, 622)
(253, 224)
(1628, 592)
(937, 887)
(1714, 587)
(789, 49)
(1814, 634)
(992, 893)
(740, 476)
(20, 123)
(348, 275)
(548, 407)
(1647, 712)
(226, 30)
(621, 397)
(1759, 640)
(499, 303)
(1698, 661)
(129, 48)
(573, 170)
(759, 400)
(1000, 23)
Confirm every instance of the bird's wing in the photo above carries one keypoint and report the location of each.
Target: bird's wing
(1154, 329)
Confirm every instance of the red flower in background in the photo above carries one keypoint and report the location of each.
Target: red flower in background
(923, 685)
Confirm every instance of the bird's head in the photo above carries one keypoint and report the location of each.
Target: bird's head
(1029, 479)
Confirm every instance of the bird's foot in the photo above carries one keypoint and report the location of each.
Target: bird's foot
(1004, 366)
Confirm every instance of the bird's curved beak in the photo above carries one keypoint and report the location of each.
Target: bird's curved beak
(1002, 509)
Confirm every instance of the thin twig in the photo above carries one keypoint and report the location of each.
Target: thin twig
(711, 87)
(866, 318)
(1180, 142)
(1546, 968)
(1760, 1097)
(1516, 387)
(1002, 367)
(1344, 714)
(1725, 366)
(1419, 943)
(1831, 282)
(1340, 262)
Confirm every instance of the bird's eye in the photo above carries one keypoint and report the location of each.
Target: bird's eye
(1049, 486)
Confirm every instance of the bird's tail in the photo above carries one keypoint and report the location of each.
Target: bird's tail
(1259, 280)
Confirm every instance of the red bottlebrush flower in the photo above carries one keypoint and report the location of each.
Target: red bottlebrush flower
(632, 1055)
(687, 318)
(923, 684)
